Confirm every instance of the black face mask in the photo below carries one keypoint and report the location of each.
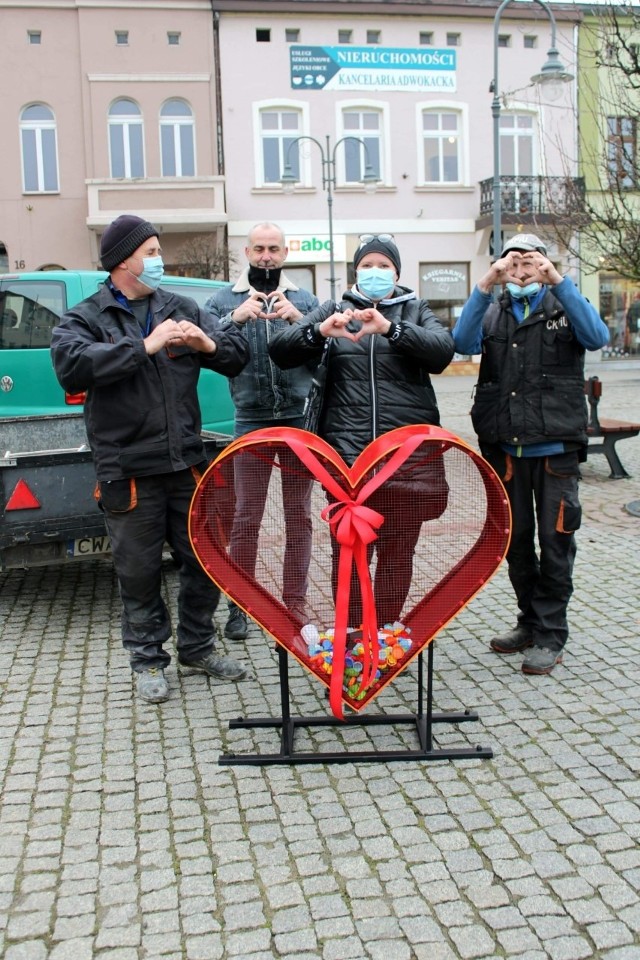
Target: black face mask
(266, 281)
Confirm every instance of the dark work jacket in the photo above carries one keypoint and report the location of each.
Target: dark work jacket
(142, 412)
(376, 384)
(531, 382)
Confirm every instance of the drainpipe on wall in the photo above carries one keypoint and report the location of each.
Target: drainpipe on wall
(219, 131)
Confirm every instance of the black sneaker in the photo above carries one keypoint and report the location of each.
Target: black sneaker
(236, 626)
(541, 660)
(513, 641)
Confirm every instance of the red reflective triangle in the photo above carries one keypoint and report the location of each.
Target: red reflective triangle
(22, 498)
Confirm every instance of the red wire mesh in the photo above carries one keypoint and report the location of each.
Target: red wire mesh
(354, 571)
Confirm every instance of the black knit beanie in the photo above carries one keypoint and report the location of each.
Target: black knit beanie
(122, 238)
(387, 247)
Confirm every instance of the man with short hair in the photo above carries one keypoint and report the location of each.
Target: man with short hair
(531, 418)
(262, 301)
(138, 350)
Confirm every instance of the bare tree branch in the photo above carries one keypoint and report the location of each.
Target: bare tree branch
(602, 228)
(202, 256)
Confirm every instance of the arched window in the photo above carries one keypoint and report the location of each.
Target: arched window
(518, 161)
(367, 125)
(177, 139)
(126, 140)
(279, 127)
(441, 143)
(517, 146)
(39, 149)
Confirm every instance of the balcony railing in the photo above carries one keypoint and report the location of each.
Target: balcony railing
(523, 197)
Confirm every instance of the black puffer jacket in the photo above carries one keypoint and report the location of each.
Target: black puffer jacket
(142, 412)
(376, 384)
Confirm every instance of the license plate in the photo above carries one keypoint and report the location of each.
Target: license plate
(88, 546)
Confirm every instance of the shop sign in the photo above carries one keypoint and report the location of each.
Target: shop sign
(314, 248)
(445, 282)
(425, 69)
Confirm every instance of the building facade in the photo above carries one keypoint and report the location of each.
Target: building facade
(608, 110)
(108, 108)
(407, 85)
(190, 113)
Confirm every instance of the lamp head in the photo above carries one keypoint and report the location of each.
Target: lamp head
(370, 179)
(288, 179)
(553, 75)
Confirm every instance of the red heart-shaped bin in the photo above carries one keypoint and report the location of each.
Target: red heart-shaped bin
(353, 570)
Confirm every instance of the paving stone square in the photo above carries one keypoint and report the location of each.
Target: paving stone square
(123, 838)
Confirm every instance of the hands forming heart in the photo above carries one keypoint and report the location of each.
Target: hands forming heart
(262, 306)
(524, 268)
(371, 320)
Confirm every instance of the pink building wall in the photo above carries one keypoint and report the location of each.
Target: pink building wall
(433, 224)
(78, 70)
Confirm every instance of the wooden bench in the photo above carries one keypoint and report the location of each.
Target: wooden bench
(610, 431)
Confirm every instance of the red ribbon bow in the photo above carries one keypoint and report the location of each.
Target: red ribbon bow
(354, 527)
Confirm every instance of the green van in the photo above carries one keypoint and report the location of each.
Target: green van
(31, 305)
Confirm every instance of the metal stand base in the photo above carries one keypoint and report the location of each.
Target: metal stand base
(422, 721)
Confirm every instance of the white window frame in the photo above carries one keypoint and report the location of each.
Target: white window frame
(445, 106)
(379, 106)
(125, 122)
(537, 154)
(177, 122)
(305, 149)
(38, 126)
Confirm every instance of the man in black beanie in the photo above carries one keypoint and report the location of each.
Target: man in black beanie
(137, 351)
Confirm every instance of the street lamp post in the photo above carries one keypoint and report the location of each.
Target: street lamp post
(328, 155)
(551, 74)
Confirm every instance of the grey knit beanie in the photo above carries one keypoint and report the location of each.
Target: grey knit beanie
(122, 238)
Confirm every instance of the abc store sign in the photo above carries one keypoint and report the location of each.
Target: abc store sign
(314, 248)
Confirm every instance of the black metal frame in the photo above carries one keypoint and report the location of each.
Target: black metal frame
(423, 720)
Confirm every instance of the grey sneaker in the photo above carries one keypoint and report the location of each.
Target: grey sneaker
(541, 660)
(214, 665)
(151, 685)
(513, 641)
(236, 626)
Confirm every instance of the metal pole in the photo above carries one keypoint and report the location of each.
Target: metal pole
(495, 111)
(329, 167)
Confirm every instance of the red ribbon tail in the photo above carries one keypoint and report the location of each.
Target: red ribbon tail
(369, 623)
(340, 632)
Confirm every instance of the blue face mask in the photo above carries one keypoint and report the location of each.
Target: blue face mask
(375, 282)
(152, 272)
(519, 293)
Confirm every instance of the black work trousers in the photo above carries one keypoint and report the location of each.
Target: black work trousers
(142, 514)
(543, 494)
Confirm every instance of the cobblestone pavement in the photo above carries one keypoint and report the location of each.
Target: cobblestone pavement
(122, 837)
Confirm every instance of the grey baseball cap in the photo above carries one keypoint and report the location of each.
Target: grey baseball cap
(525, 242)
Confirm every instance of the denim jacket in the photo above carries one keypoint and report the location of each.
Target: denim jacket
(262, 391)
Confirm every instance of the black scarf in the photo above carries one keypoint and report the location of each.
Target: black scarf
(265, 281)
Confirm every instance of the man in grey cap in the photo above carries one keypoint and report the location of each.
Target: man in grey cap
(138, 350)
(530, 416)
